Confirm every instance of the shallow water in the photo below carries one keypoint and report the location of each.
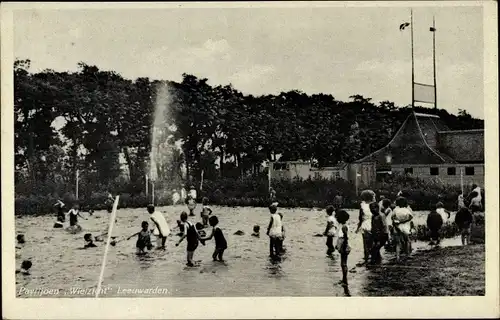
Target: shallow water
(60, 269)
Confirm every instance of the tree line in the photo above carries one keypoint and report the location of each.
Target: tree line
(218, 129)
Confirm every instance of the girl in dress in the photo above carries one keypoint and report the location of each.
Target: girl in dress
(330, 231)
(365, 222)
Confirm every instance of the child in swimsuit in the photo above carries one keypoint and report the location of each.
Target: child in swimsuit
(143, 238)
(74, 213)
(330, 231)
(205, 212)
(380, 232)
(464, 220)
(192, 236)
(220, 240)
(342, 243)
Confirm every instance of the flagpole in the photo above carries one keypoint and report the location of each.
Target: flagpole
(412, 64)
(434, 58)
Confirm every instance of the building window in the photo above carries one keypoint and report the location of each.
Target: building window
(469, 171)
(452, 171)
(408, 170)
(434, 171)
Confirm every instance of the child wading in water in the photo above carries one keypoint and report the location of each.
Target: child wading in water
(192, 238)
(343, 244)
(275, 232)
(445, 214)
(89, 243)
(74, 213)
(143, 238)
(205, 212)
(220, 240)
(401, 218)
(330, 231)
(365, 222)
(434, 224)
(464, 220)
(162, 230)
(380, 232)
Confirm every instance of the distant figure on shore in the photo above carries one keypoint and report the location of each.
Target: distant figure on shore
(176, 197)
(109, 203)
(183, 194)
(191, 204)
(464, 220)
(192, 193)
(272, 195)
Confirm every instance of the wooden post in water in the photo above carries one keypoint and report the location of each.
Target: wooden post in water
(110, 230)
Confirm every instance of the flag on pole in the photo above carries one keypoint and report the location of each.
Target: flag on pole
(424, 93)
(403, 26)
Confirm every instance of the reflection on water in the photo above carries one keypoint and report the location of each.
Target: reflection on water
(304, 270)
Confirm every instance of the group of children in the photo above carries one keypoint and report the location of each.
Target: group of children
(386, 223)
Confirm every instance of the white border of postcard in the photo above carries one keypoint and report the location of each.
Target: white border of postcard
(260, 307)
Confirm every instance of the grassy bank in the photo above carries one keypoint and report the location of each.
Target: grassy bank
(451, 271)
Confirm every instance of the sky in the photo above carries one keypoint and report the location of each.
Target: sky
(338, 50)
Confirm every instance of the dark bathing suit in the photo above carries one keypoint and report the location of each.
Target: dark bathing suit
(220, 241)
(192, 237)
(144, 240)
